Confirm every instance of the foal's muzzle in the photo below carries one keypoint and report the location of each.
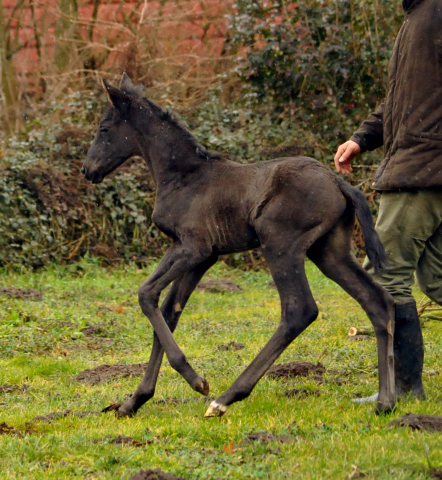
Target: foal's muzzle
(94, 177)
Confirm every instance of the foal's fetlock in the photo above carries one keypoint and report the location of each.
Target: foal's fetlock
(125, 412)
(384, 408)
(201, 385)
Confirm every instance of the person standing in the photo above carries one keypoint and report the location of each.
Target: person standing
(409, 126)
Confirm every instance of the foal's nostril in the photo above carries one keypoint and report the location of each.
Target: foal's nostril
(83, 170)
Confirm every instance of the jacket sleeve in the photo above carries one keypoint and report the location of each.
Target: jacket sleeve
(370, 135)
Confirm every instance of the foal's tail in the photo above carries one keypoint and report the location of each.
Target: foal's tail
(373, 245)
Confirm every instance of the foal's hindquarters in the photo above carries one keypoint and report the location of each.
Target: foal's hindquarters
(288, 232)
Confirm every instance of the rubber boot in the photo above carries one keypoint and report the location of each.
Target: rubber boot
(408, 349)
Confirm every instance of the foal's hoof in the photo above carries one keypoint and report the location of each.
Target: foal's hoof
(124, 412)
(201, 385)
(215, 410)
(384, 408)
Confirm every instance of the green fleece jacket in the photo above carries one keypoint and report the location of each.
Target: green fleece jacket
(409, 122)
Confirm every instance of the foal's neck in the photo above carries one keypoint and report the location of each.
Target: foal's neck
(169, 149)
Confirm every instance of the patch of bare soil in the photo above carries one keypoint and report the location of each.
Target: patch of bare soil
(102, 373)
(356, 472)
(437, 473)
(107, 253)
(295, 369)
(56, 415)
(90, 330)
(431, 423)
(219, 286)
(8, 430)
(155, 474)
(6, 388)
(122, 440)
(265, 437)
(22, 293)
(301, 393)
(231, 346)
(359, 338)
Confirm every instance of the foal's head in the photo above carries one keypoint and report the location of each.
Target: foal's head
(116, 139)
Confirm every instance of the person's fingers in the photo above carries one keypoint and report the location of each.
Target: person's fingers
(344, 155)
(339, 152)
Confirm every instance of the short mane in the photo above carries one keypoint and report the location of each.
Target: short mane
(164, 114)
(168, 116)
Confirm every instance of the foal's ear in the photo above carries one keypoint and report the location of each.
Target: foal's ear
(126, 86)
(115, 96)
(126, 83)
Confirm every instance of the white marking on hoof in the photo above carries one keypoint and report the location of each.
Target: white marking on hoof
(216, 410)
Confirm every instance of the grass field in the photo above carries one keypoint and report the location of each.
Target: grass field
(89, 316)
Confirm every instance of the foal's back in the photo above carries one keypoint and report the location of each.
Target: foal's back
(233, 201)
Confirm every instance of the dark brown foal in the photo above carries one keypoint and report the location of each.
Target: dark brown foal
(209, 206)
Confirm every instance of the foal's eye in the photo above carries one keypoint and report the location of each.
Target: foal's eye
(104, 129)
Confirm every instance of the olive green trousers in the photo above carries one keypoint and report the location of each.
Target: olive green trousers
(410, 227)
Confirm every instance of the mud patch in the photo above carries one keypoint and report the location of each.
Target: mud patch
(90, 330)
(57, 415)
(219, 286)
(8, 430)
(265, 437)
(102, 373)
(5, 388)
(301, 393)
(295, 369)
(109, 255)
(430, 423)
(359, 338)
(22, 293)
(231, 346)
(122, 440)
(155, 474)
(437, 473)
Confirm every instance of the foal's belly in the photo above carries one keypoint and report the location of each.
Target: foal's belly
(228, 237)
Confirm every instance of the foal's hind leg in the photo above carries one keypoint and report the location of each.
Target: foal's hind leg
(171, 309)
(298, 311)
(332, 254)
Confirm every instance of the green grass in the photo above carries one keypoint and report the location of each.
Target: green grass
(42, 345)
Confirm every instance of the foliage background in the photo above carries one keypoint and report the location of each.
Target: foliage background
(287, 78)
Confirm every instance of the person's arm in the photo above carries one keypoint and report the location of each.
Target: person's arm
(369, 136)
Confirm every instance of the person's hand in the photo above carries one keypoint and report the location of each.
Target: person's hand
(344, 156)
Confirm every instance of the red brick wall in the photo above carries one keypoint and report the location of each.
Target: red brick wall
(181, 29)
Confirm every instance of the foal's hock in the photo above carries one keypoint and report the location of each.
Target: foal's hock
(209, 205)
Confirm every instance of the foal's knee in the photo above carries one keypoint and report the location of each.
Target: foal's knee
(147, 296)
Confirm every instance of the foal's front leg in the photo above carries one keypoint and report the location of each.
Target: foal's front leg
(171, 309)
(178, 261)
